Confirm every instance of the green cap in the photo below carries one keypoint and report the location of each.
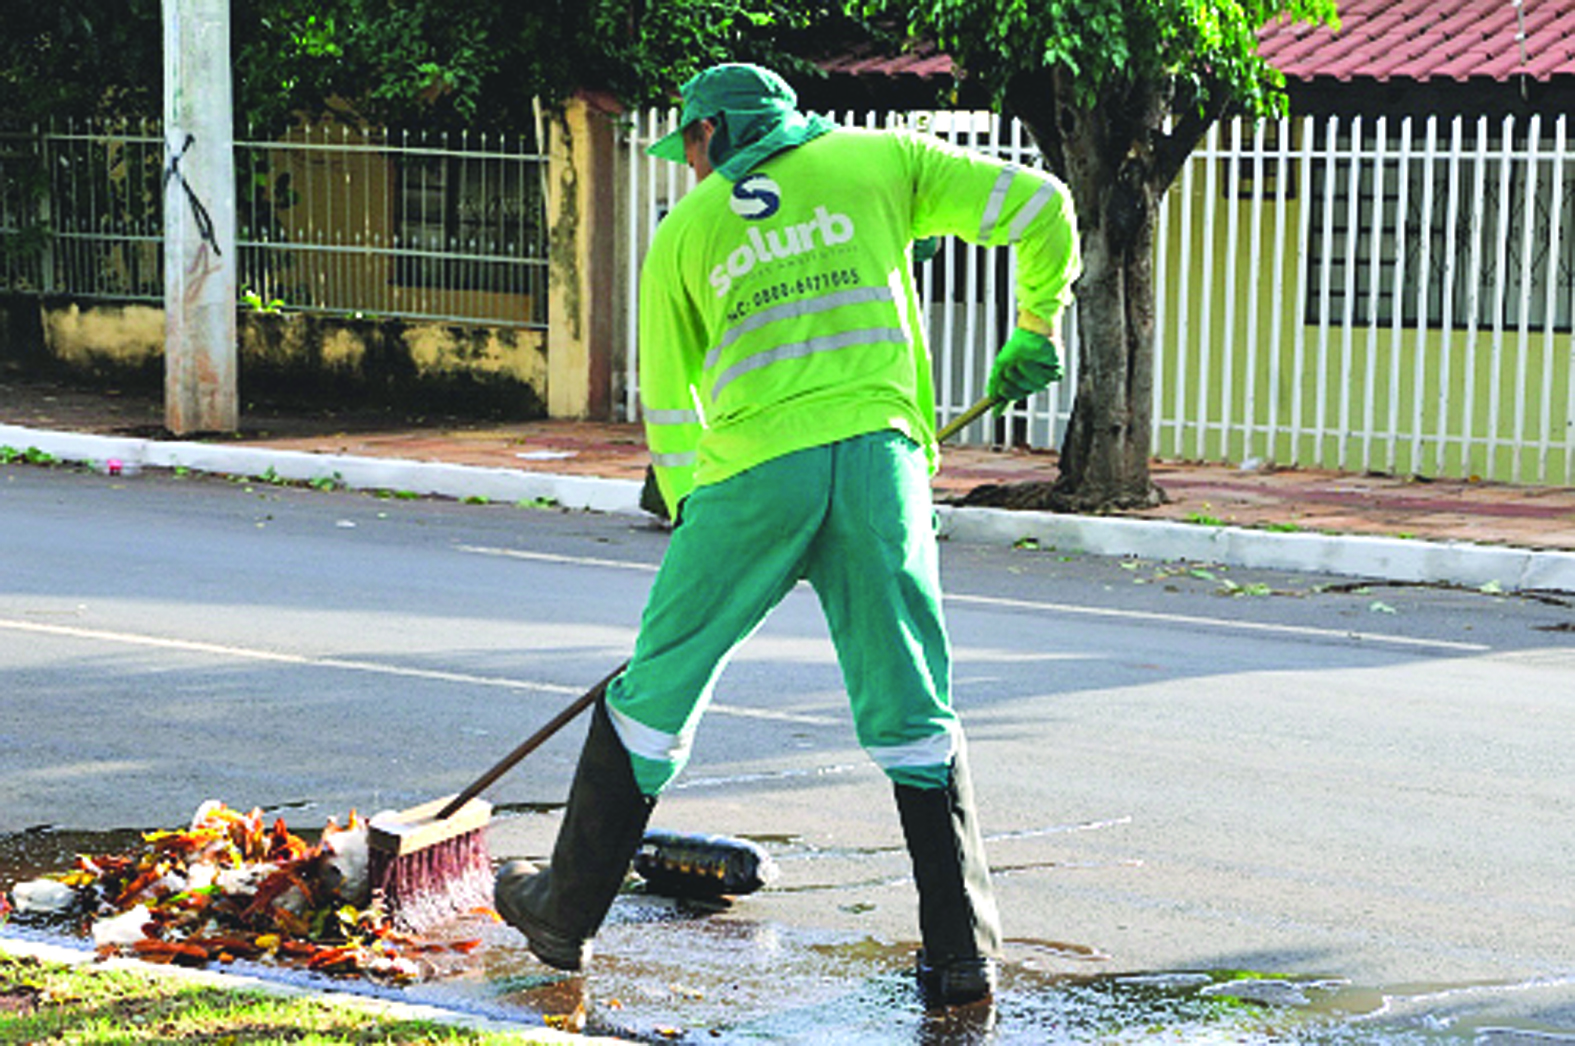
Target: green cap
(738, 88)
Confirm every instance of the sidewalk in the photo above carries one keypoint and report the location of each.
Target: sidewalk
(1386, 527)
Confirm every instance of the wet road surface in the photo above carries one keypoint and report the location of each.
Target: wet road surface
(1185, 771)
(681, 971)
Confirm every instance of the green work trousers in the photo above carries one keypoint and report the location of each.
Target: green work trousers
(854, 518)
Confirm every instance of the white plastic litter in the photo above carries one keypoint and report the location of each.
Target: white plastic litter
(125, 928)
(42, 897)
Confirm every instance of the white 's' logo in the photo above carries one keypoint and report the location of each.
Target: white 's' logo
(755, 197)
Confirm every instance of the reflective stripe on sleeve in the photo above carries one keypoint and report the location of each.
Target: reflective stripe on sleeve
(670, 417)
(997, 201)
(808, 347)
(1036, 203)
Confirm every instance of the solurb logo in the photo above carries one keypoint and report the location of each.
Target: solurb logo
(780, 241)
(755, 197)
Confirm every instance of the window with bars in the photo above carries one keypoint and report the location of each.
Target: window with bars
(1479, 232)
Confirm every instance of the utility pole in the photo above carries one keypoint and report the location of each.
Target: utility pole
(199, 220)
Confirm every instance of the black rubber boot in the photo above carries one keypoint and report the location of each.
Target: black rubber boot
(560, 908)
(957, 916)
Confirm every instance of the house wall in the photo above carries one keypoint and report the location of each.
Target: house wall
(329, 315)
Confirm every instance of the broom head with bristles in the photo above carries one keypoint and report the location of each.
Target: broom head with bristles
(427, 870)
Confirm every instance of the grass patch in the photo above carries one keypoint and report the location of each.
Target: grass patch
(29, 456)
(92, 1006)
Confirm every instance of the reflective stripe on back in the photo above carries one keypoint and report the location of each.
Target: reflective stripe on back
(682, 459)
(796, 309)
(670, 417)
(808, 347)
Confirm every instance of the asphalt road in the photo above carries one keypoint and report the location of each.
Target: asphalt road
(1180, 767)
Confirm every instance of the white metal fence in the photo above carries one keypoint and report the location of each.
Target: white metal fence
(1378, 294)
(1390, 295)
(329, 220)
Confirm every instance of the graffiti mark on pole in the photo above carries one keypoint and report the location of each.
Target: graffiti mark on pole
(199, 213)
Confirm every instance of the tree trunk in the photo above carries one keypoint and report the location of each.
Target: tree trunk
(1105, 455)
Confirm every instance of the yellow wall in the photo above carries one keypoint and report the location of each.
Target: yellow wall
(118, 337)
(124, 342)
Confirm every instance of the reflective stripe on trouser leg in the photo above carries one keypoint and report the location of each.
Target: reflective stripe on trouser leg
(738, 550)
(876, 569)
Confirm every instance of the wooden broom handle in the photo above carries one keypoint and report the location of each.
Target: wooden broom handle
(531, 743)
(957, 424)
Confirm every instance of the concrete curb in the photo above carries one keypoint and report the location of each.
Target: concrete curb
(360, 473)
(1345, 555)
(370, 1005)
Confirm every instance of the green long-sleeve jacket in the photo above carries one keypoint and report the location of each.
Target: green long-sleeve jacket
(779, 312)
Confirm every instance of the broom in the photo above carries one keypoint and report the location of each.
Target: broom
(430, 863)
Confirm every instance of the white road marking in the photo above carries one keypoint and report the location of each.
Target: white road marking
(1214, 622)
(1061, 608)
(193, 646)
(550, 557)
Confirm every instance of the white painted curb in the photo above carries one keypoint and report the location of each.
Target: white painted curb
(1345, 555)
(361, 473)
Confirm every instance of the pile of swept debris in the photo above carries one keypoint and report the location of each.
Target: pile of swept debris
(232, 887)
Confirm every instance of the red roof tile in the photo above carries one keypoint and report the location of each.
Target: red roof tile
(1378, 39)
(921, 59)
(1429, 40)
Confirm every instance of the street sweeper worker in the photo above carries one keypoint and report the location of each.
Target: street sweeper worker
(789, 410)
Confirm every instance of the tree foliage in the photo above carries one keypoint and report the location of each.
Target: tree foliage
(1117, 94)
(80, 57)
(476, 63)
(1200, 57)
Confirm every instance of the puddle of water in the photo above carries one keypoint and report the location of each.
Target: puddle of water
(45, 849)
(667, 971)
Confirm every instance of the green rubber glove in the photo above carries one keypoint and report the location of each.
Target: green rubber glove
(1026, 363)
